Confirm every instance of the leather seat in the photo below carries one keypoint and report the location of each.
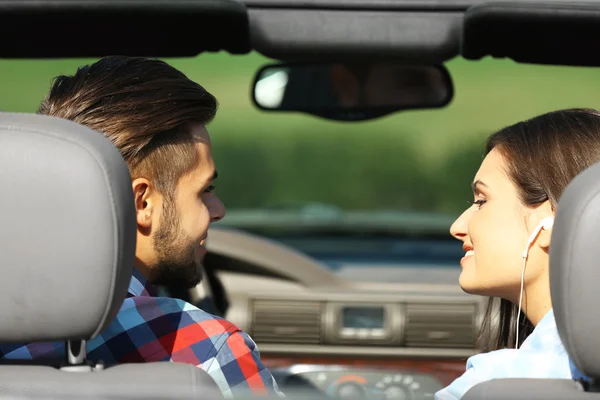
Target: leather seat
(574, 284)
(67, 249)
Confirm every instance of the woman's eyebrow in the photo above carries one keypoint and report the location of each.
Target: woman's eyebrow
(475, 185)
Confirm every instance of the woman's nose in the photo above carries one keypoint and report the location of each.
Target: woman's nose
(459, 227)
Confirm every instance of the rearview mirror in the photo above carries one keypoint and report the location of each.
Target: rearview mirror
(351, 92)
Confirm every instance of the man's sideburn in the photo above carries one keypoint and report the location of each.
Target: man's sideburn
(175, 250)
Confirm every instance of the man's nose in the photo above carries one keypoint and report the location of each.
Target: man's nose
(217, 211)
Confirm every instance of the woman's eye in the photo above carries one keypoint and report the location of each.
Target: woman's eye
(478, 203)
(210, 189)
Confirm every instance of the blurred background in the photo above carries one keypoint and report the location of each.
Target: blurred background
(412, 161)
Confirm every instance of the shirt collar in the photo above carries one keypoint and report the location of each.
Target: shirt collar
(544, 334)
(139, 286)
(547, 320)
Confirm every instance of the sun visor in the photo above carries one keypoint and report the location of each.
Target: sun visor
(96, 28)
(565, 33)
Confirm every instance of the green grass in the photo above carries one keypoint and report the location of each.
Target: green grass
(421, 160)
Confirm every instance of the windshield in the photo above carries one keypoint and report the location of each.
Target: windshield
(376, 190)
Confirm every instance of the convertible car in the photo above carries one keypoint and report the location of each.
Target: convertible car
(347, 135)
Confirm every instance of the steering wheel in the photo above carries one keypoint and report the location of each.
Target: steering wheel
(206, 299)
(215, 295)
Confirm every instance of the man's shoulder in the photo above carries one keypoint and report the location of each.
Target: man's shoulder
(161, 329)
(180, 314)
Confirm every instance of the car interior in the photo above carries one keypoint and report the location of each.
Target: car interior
(308, 280)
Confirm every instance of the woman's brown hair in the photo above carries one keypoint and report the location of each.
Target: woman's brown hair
(543, 156)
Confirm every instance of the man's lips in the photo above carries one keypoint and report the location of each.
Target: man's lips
(201, 246)
(200, 252)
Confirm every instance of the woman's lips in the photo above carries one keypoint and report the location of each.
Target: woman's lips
(468, 254)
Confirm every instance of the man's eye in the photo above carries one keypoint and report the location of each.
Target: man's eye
(210, 189)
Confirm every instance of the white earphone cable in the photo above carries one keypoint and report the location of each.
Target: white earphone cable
(520, 301)
(545, 224)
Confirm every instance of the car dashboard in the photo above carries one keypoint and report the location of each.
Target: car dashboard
(351, 383)
(318, 331)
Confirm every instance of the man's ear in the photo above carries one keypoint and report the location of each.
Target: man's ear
(144, 206)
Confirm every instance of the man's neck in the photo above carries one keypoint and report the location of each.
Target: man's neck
(140, 286)
(142, 268)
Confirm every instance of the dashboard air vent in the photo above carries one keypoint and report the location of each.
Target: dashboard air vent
(293, 322)
(440, 325)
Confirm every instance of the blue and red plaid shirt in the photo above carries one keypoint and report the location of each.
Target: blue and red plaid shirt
(150, 328)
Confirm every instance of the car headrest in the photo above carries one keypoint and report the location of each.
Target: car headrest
(67, 230)
(575, 270)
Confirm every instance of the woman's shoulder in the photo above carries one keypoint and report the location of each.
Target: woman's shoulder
(508, 363)
(552, 362)
(542, 355)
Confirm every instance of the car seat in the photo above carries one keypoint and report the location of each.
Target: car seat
(67, 250)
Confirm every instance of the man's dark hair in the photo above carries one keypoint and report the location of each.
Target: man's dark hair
(144, 106)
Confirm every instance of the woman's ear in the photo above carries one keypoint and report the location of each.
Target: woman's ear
(545, 211)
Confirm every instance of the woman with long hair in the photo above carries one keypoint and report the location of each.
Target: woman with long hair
(506, 235)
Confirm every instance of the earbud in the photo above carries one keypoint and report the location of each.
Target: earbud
(544, 224)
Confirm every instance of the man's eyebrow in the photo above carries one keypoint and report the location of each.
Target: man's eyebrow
(476, 184)
(211, 179)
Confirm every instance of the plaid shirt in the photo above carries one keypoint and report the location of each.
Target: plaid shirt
(149, 328)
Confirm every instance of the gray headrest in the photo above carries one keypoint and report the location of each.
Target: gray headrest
(575, 270)
(67, 230)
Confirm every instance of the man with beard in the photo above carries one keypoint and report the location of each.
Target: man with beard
(157, 119)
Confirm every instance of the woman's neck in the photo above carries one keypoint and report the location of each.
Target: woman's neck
(537, 300)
